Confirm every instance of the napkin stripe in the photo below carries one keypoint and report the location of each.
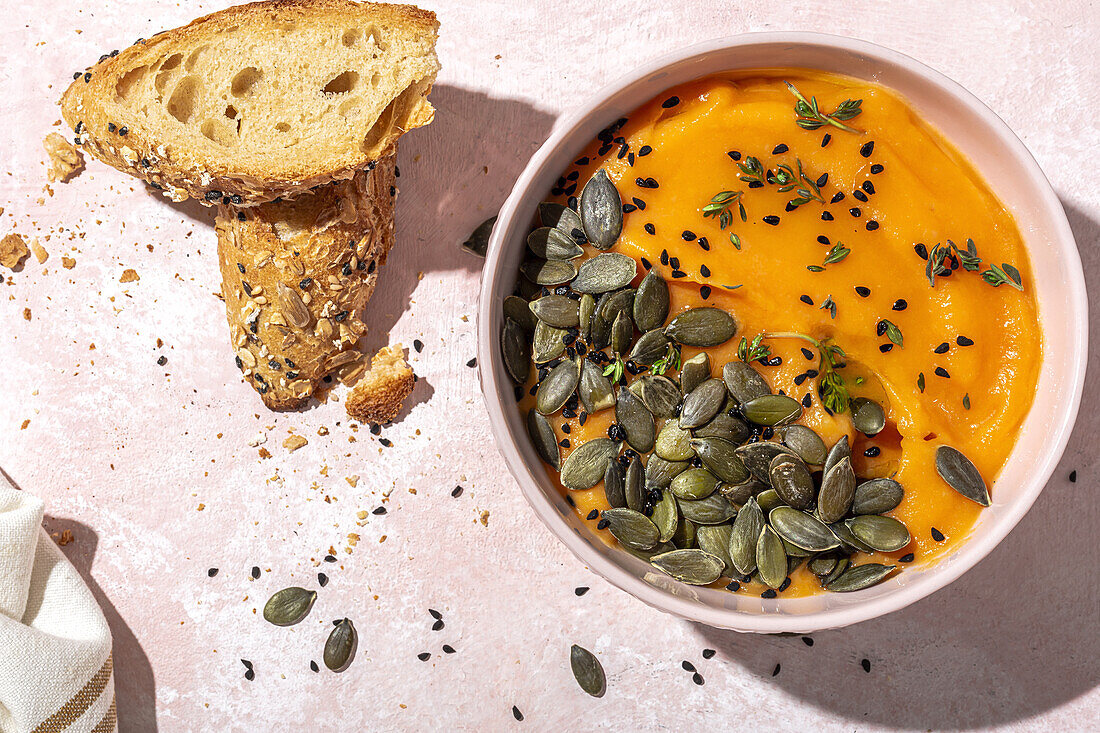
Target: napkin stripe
(71, 711)
(109, 724)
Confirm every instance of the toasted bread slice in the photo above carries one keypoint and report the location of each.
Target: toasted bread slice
(378, 396)
(259, 101)
(295, 277)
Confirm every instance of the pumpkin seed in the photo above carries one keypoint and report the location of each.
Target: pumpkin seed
(516, 350)
(743, 382)
(659, 394)
(838, 487)
(715, 539)
(595, 390)
(694, 372)
(611, 304)
(341, 645)
(605, 272)
(686, 533)
(561, 217)
(841, 449)
(791, 479)
(848, 540)
(740, 493)
(550, 243)
(289, 606)
(614, 484)
(650, 346)
(868, 416)
(714, 509)
(635, 485)
(635, 420)
(802, 530)
(651, 303)
(795, 554)
(757, 458)
(744, 535)
(726, 427)
(646, 555)
(632, 528)
(666, 516)
(544, 439)
(694, 567)
(585, 308)
(884, 534)
(519, 310)
(768, 500)
(693, 484)
(771, 560)
(557, 388)
(859, 577)
(720, 456)
(622, 332)
(557, 311)
(702, 404)
(961, 474)
(587, 671)
(478, 241)
(772, 410)
(548, 343)
(548, 272)
(822, 565)
(877, 496)
(601, 211)
(806, 443)
(586, 465)
(674, 443)
(294, 308)
(702, 327)
(842, 564)
(659, 472)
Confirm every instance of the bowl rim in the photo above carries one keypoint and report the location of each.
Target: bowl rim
(970, 553)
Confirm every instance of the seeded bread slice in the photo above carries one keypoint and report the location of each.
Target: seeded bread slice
(378, 396)
(295, 277)
(259, 101)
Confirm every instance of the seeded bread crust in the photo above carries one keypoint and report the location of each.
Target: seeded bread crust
(121, 113)
(378, 396)
(295, 277)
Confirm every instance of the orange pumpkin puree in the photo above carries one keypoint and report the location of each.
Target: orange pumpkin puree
(924, 192)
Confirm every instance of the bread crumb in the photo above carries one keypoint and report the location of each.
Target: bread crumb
(40, 252)
(378, 396)
(64, 538)
(26, 314)
(201, 506)
(265, 453)
(484, 518)
(322, 431)
(352, 480)
(129, 275)
(259, 440)
(362, 514)
(294, 442)
(13, 248)
(68, 262)
(65, 159)
(25, 424)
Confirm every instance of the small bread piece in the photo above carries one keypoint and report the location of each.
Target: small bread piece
(295, 277)
(65, 160)
(259, 101)
(378, 395)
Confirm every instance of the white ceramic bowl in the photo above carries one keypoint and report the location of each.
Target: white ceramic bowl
(1015, 177)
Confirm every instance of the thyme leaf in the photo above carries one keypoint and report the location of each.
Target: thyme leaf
(810, 116)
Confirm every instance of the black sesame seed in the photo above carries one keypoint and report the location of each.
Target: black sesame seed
(863, 292)
(756, 184)
(423, 656)
(472, 363)
(784, 585)
(688, 235)
(900, 304)
(704, 292)
(734, 154)
(386, 443)
(628, 208)
(769, 593)
(448, 649)
(678, 274)
(872, 225)
(964, 341)
(438, 625)
(780, 149)
(799, 379)
(872, 452)
(854, 211)
(87, 76)
(826, 216)
(822, 180)
(594, 514)
(771, 219)
(457, 491)
(664, 257)
(941, 372)
(162, 360)
(822, 239)
(516, 713)
(111, 127)
(876, 169)
(647, 264)
(776, 670)
(866, 664)
(603, 524)
(867, 148)
(214, 571)
(825, 140)
(212, 195)
(255, 572)
(418, 345)
(908, 557)
(580, 590)
(697, 678)
(639, 203)
(868, 187)
(734, 586)
(806, 299)
(687, 666)
(808, 641)
(886, 348)
(644, 151)
(704, 244)
(704, 271)
(330, 558)
(837, 197)
(808, 354)
(942, 348)
(937, 535)
(375, 429)
(378, 511)
(709, 653)
(860, 196)
(250, 674)
(670, 102)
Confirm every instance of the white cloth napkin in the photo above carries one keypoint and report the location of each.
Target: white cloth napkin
(55, 645)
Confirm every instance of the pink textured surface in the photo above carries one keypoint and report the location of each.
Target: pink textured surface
(125, 452)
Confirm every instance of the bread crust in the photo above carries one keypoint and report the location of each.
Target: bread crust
(88, 106)
(295, 277)
(379, 395)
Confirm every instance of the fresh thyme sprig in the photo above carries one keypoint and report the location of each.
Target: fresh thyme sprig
(830, 384)
(615, 369)
(810, 117)
(720, 204)
(837, 253)
(754, 351)
(671, 360)
(752, 171)
(806, 187)
(969, 260)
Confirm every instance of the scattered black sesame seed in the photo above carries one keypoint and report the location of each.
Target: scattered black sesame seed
(786, 581)
(375, 429)
(886, 348)
(855, 212)
(942, 348)
(628, 208)
(708, 653)
(386, 443)
(734, 154)
(808, 354)
(734, 586)
(688, 666)
(837, 197)
(639, 203)
(255, 572)
(872, 225)
(908, 557)
(964, 341)
(769, 593)
(937, 535)
(921, 251)
(379, 510)
(866, 664)
(704, 292)
(825, 140)
(213, 195)
(670, 102)
(697, 678)
(580, 590)
(780, 149)
(776, 670)
(516, 713)
(941, 372)
(806, 299)
(704, 271)
(807, 401)
(900, 304)
(322, 579)
(162, 360)
(678, 274)
(250, 674)
(438, 625)
(859, 196)
(330, 558)
(771, 219)
(863, 292)
(214, 571)
(448, 649)
(872, 452)
(424, 656)
(822, 239)
(313, 666)
(867, 148)
(594, 514)
(808, 641)
(603, 524)
(1072, 480)
(826, 216)
(644, 151)
(472, 363)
